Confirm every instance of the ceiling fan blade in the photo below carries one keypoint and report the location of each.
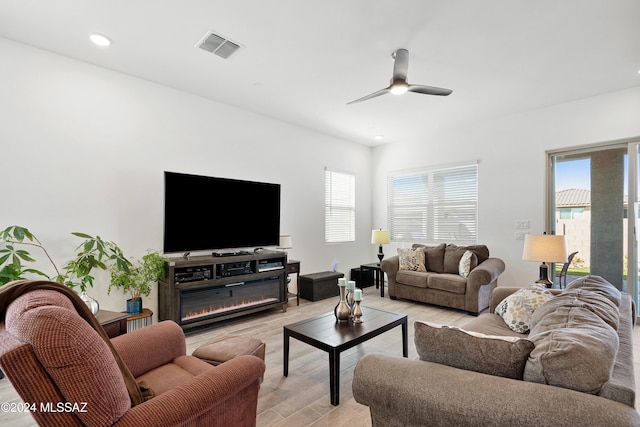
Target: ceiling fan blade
(371, 95)
(429, 90)
(401, 65)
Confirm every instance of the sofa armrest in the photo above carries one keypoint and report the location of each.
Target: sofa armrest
(390, 266)
(410, 392)
(485, 273)
(226, 394)
(147, 348)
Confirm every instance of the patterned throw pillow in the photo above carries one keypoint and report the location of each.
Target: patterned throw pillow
(467, 263)
(517, 308)
(411, 259)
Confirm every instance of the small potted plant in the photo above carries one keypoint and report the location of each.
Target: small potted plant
(136, 280)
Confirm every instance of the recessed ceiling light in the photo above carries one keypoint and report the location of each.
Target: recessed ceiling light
(378, 137)
(100, 40)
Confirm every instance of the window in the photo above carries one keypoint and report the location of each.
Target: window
(340, 207)
(571, 213)
(434, 206)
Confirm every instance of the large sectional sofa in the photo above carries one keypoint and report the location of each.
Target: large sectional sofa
(573, 366)
(435, 275)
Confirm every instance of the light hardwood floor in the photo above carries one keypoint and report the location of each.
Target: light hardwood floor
(302, 398)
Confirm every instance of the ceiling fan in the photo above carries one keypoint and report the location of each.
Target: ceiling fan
(399, 83)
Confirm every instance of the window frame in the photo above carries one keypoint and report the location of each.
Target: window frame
(340, 206)
(437, 204)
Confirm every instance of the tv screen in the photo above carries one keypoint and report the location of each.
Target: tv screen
(203, 213)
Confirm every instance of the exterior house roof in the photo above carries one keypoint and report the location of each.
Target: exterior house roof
(576, 197)
(573, 197)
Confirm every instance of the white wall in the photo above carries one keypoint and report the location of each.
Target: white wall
(512, 159)
(84, 149)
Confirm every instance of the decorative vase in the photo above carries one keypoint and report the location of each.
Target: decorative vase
(351, 286)
(342, 311)
(357, 312)
(91, 302)
(134, 306)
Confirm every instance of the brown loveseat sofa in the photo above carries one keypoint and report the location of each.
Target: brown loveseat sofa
(574, 368)
(441, 283)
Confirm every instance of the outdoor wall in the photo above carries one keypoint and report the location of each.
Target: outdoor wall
(511, 152)
(84, 149)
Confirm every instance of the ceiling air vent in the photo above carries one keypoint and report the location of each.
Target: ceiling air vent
(215, 43)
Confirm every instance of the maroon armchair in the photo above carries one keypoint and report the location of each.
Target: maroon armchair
(57, 362)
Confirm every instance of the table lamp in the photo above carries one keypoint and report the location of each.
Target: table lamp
(285, 242)
(380, 237)
(544, 248)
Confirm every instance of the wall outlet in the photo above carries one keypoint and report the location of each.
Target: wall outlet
(522, 224)
(520, 235)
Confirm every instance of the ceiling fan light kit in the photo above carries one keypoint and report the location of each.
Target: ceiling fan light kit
(399, 83)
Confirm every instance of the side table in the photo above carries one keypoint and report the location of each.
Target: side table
(293, 266)
(139, 320)
(378, 275)
(112, 322)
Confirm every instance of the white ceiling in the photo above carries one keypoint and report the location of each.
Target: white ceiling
(302, 61)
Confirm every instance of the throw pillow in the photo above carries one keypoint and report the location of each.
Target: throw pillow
(411, 259)
(467, 263)
(517, 308)
(433, 256)
(453, 253)
(490, 354)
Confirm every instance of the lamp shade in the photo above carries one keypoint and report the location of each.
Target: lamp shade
(379, 237)
(285, 242)
(544, 248)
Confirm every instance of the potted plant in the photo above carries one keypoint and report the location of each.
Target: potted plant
(12, 258)
(93, 253)
(136, 280)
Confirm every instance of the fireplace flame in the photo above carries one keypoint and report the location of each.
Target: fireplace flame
(212, 310)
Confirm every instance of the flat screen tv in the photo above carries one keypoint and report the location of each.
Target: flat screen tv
(207, 213)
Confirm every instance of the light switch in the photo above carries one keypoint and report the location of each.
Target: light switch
(522, 224)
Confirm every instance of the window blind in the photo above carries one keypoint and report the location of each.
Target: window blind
(434, 206)
(340, 207)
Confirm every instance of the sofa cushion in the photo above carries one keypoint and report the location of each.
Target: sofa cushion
(447, 282)
(574, 349)
(411, 259)
(433, 257)
(467, 263)
(413, 278)
(473, 351)
(597, 284)
(595, 302)
(517, 308)
(490, 324)
(453, 254)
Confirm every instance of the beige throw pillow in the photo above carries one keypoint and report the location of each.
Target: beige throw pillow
(517, 308)
(467, 263)
(411, 259)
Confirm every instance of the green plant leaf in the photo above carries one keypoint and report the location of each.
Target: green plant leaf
(82, 235)
(24, 255)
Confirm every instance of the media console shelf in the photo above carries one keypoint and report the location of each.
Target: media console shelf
(202, 290)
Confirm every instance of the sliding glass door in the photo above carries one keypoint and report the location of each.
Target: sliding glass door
(593, 201)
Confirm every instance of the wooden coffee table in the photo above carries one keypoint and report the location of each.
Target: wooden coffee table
(324, 333)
